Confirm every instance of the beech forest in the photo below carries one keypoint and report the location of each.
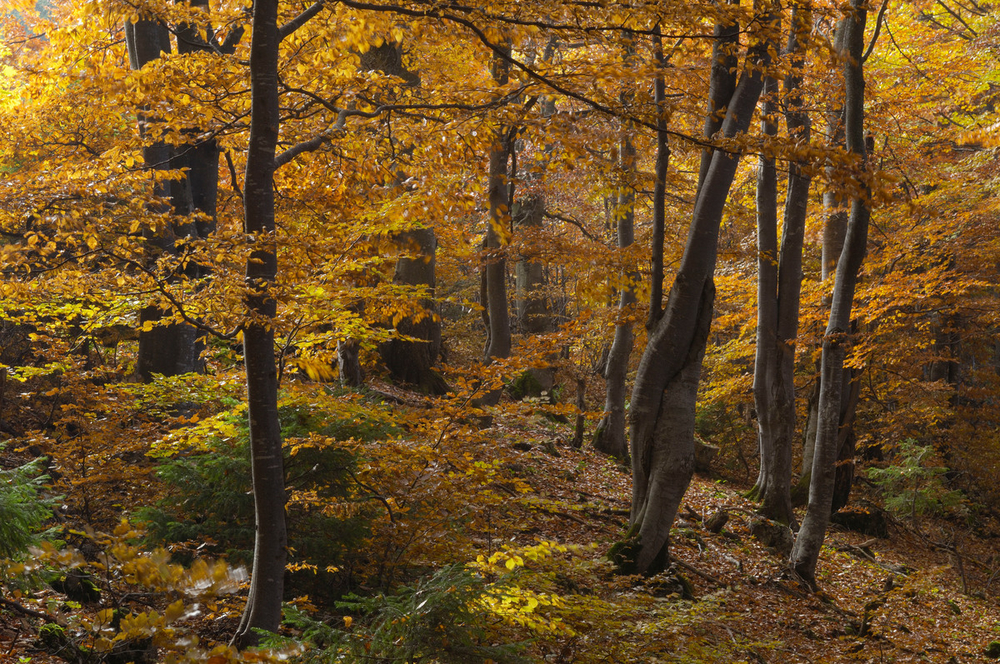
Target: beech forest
(455, 331)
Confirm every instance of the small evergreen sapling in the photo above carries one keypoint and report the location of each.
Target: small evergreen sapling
(912, 486)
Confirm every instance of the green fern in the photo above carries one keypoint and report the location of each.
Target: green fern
(23, 509)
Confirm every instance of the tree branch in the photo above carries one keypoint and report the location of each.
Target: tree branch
(531, 73)
(878, 28)
(301, 19)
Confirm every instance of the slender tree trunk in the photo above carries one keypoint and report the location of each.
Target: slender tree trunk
(835, 225)
(263, 609)
(663, 398)
(722, 84)
(659, 189)
(610, 434)
(779, 290)
(764, 381)
(835, 215)
(495, 270)
(805, 553)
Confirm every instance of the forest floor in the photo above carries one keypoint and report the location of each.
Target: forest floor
(925, 593)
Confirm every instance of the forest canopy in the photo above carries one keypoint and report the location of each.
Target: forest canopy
(447, 331)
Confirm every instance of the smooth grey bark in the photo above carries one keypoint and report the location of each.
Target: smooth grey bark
(765, 387)
(835, 215)
(263, 608)
(408, 361)
(805, 553)
(666, 384)
(609, 436)
(835, 224)
(779, 292)
(201, 156)
(495, 269)
(531, 301)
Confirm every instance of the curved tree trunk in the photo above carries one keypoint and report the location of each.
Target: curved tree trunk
(263, 609)
(609, 435)
(659, 189)
(663, 398)
(722, 84)
(779, 290)
(805, 553)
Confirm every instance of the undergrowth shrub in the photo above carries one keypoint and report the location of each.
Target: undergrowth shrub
(152, 609)
(439, 619)
(209, 497)
(912, 486)
(545, 602)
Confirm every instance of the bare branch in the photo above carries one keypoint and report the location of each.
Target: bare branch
(301, 19)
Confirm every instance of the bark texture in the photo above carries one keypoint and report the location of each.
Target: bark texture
(779, 291)
(531, 301)
(263, 609)
(663, 397)
(835, 215)
(805, 553)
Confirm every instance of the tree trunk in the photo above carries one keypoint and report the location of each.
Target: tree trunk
(495, 270)
(779, 290)
(531, 301)
(412, 361)
(722, 84)
(169, 349)
(805, 553)
(835, 224)
(663, 398)
(610, 434)
(659, 188)
(834, 231)
(263, 609)
(349, 364)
